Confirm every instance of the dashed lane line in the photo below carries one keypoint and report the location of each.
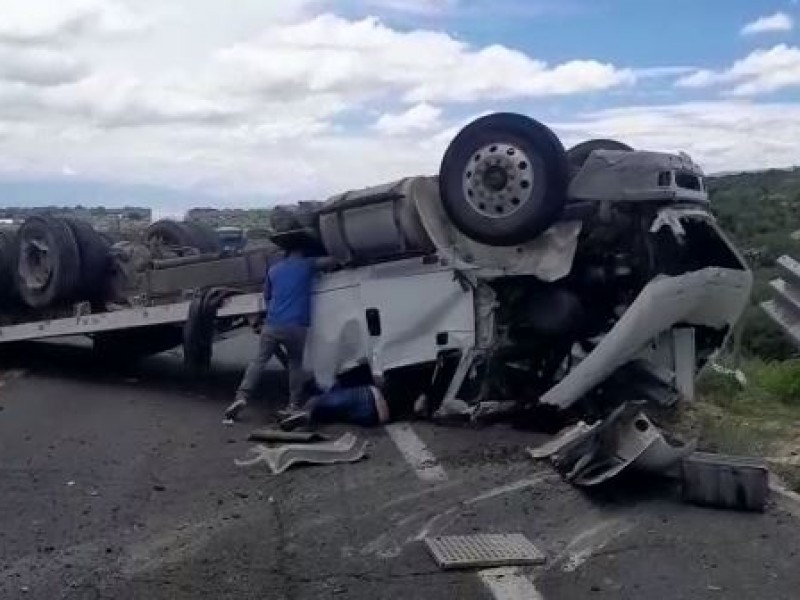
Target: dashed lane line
(503, 583)
(508, 583)
(416, 453)
(10, 375)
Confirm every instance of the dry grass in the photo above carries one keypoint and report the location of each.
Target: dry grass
(761, 418)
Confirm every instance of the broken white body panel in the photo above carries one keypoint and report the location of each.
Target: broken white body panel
(712, 297)
(387, 316)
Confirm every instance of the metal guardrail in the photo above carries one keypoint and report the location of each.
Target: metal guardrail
(784, 308)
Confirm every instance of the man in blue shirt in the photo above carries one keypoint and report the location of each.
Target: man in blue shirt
(287, 294)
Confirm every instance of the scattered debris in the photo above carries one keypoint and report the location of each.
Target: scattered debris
(737, 374)
(483, 550)
(589, 455)
(276, 435)
(70, 483)
(725, 481)
(563, 439)
(159, 488)
(346, 449)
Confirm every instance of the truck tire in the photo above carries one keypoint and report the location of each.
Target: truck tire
(181, 234)
(8, 251)
(95, 255)
(205, 238)
(503, 179)
(577, 155)
(48, 262)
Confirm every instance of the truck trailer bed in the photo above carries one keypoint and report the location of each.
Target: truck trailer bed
(240, 305)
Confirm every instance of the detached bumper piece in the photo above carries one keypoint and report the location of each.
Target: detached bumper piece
(590, 455)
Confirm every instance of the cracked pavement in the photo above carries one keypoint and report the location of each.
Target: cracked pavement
(121, 484)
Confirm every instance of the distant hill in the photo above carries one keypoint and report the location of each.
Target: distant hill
(164, 201)
(761, 212)
(253, 218)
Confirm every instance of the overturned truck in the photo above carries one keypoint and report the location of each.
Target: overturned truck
(522, 272)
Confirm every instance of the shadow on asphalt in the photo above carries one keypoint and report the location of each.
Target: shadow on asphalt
(163, 372)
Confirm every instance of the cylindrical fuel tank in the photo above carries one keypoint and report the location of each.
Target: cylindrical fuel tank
(375, 223)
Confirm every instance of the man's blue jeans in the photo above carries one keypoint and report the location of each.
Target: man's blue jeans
(345, 405)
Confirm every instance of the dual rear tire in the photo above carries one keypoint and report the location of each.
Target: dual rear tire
(170, 234)
(59, 260)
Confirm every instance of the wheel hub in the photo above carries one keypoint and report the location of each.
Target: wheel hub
(35, 266)
(498, 180)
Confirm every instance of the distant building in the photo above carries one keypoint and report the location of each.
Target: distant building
(128, 218)
(256, 218)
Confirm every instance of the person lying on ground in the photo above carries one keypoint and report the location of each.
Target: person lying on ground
(364, 405)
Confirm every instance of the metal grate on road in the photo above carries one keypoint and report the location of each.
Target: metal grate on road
(483, 550)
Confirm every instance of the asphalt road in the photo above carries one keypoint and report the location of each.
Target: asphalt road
(122, 484)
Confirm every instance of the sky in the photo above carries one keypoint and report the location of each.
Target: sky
(175, 103)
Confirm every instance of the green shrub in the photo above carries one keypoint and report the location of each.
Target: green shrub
(780, 380)
(718, 388)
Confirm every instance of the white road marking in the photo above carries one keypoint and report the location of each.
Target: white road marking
(10, 375)
(508, 583)
(509, 488)
(589, 541)
(416, 452)
(505, 583)
(788, 500)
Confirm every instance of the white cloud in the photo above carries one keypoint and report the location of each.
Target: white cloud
(119, 101)
(779, 21)
(365, 58)
(51, 21)
(39, 66)
(718, 135)
(419, 7)
(277, 100)
(761, 72)
(419, 118)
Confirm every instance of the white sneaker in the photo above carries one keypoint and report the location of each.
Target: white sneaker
(235, 409)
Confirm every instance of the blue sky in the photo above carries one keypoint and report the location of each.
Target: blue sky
(254, 102)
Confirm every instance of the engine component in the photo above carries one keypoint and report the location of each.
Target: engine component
(503, 179)
(48, 262)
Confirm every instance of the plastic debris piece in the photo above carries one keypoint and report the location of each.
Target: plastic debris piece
(276, 435)
(346, 449)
